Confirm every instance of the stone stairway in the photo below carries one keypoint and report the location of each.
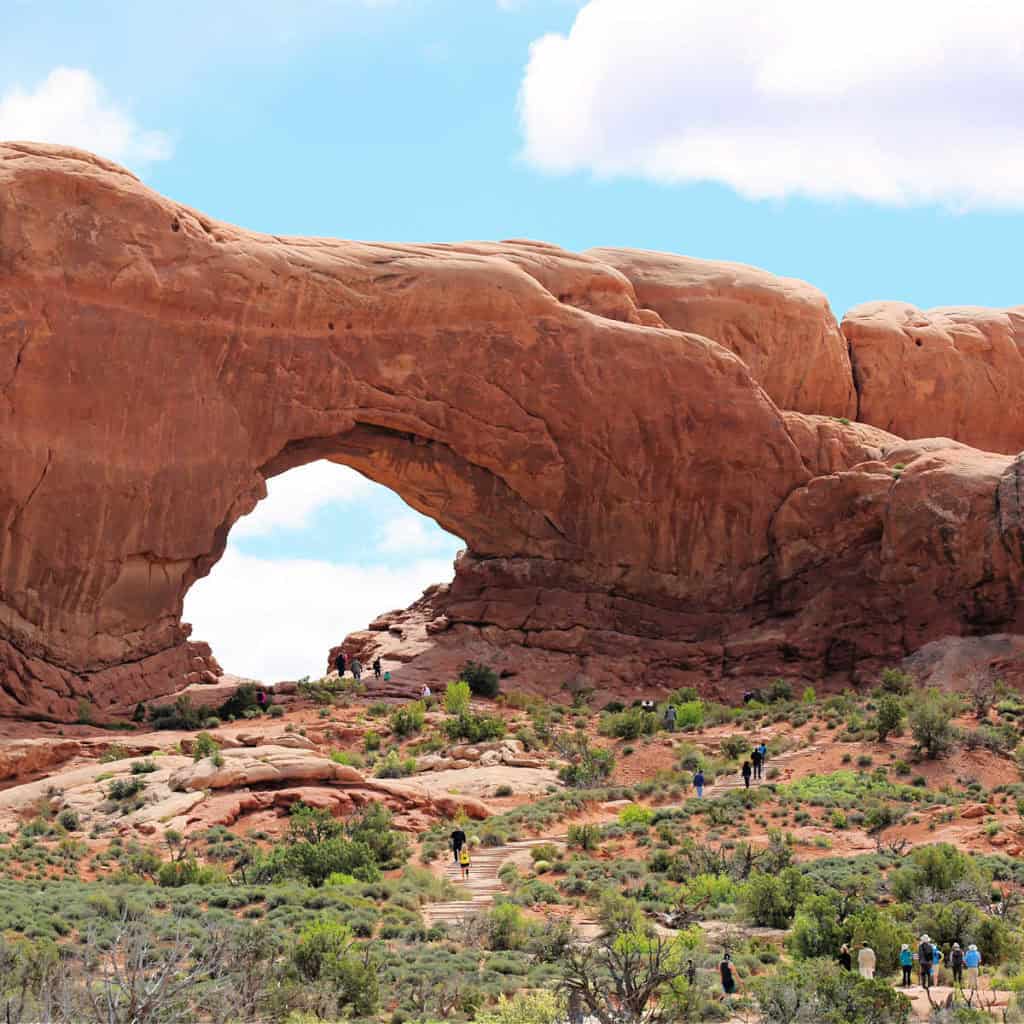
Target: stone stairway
(483, 883)
(729, 782)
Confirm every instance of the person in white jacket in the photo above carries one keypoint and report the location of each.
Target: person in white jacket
(866, 961)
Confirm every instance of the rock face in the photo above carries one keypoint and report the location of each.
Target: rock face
(942, 373)
(635, 505)
(783, 329)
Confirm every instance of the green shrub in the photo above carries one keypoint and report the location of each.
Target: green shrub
(68, 820)
(483, 680)
(475, 728)
(275, 711)
(115, 752)
(204, 746)
(895, 681)
(629, 725)
(931, 723)
(586, 837)
(734, 747)
(503, 790)
(143, 767)
(124, 789)
(690, 715)
(456, 698)
(889, 717)
(392, 766)
(371, 741)
(635, 814)
(408, 719)
(770, 900)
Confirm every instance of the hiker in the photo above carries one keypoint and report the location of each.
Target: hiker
(956, 962)
(866, 961)
(691, 973)
(261, 699)
(357, 669)
(339, 664)
(745, 772)
(845, 959)
(698, 783)
(464, 861)
(377, 667)
(906, 963)
(729, 976)
(756, 760)
(762, 749)
(670, 717)
(458, 841)
(937, 959)
(924, 961)
(972, 961)
(425, 692)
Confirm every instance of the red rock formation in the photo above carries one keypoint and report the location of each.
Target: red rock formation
(634, 504)
(783, 329)
(942, 373)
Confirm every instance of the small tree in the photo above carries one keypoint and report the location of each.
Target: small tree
(981, 690)
(931, 725)
(895, 681)
(889, 719)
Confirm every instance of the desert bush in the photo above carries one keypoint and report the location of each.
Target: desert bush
(474, 728)
(895, 681)
(408, 719)
(456, 698)
(771, 900)
(393, 766)
(630, 724)
(635, 814)
(889, 717)
(125, 789)
(586, 837)
(930, 720)
(734, 747)
(482, 679)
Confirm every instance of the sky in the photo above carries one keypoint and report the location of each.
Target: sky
(874, 149)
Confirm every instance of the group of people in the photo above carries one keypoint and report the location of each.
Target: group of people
(753, 766)
(460, 850)
(355, 666)
(929, 957)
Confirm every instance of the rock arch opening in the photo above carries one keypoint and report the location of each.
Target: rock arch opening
(320, 557)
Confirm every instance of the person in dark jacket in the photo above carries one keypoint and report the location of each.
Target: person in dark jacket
(378, 669)
(698, 782)
(746, 771)
(458, 841)
(845, 958)
(729, 976)
(339, 663)
(756, 760)
(924, 961)
(956, 963)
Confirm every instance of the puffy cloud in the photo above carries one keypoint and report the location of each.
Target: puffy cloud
(274, 619)
(920, 101)
(410, 533)
(294, 498)
(70, 107)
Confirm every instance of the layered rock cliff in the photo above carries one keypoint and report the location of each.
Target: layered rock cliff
(632, 497)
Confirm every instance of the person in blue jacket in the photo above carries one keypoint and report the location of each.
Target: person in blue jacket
(906, 963)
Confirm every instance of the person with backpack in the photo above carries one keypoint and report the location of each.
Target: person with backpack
(745, 771)
(464, 861)
(458, 841)
(763, 750)
(670, 718)
(756, 760)
(357, 669)
(339, 664)
(937, 959)
(906, 964)
(377, 668)
(924, 961)
(727, 969)
(972, 961)
(956, 963)
(698, 783)
(845, 957)
(866, 961)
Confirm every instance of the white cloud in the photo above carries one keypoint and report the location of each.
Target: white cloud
(296, 496)
(70, 107)
(277, 619)
(909, 102)
(410, 533)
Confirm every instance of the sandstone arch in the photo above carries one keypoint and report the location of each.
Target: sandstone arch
(630, 494)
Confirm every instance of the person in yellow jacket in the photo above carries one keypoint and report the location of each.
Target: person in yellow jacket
(464, 860)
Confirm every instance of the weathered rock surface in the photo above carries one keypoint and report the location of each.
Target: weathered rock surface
(941, 373)
(638, 512)
(783, 329)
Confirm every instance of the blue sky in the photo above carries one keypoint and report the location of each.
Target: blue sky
(845, 148)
